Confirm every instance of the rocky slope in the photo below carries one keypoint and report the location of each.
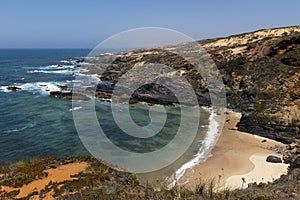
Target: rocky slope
(29, 179)
(262, 77)
(261, 72)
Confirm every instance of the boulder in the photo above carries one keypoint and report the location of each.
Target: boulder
(287, 157)
(293, 146)
(295, 150)
(295, 163)
(274, 159)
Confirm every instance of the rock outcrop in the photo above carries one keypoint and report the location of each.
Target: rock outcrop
(69, 95)
(261, 72)
(13, 88)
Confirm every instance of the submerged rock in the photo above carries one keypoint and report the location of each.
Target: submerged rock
(63, 87)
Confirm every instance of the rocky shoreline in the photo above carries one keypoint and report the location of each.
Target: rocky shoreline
(260, 71)
(279, 133)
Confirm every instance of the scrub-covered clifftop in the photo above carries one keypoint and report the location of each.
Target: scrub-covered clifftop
(261, 72)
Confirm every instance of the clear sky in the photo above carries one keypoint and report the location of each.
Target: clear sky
(85, 23)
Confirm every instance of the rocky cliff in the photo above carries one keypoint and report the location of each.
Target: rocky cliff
(262, 75)
(261, 72)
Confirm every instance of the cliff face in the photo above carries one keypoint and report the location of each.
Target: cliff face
(261, 72)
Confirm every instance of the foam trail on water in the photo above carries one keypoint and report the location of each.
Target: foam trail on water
(53, 71)
(4, 89)
(206, 145)
(75, 108)
(19, 129)
(58, 67)
(41, 87)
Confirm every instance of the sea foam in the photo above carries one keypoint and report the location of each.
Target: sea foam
(203, 153)
(41, 87)
(52, 71)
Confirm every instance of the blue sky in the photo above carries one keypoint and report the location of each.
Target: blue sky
(84, 24)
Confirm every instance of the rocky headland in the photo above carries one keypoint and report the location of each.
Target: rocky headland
(261, 74)
(260, 70)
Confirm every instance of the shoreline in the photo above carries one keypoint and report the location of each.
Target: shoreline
(212, 135)
(237, 159)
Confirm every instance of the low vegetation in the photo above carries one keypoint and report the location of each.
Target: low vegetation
(99, 181)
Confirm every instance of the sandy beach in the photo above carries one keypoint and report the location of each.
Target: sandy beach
(237, 159)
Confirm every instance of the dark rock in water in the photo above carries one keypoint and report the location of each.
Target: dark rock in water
(63, 87)
(103, 95)
(274, 159)
(133, 101)
(69, 95)
(14, 88)
(105, 100)
(105, 87)
(58, 94)
(79, 60)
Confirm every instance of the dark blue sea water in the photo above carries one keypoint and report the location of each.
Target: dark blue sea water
(33, 124)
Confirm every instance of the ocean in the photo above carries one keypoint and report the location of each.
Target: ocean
(33, 124)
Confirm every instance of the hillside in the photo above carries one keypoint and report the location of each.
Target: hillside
(261, 72)
(88, 178)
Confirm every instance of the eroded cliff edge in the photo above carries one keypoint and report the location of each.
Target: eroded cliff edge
(260, 70)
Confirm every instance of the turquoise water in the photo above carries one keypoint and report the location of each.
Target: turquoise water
(32, 124)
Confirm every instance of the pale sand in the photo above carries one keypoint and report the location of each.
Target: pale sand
(258, 35)
(236, 155)
(61, 173)
(263, 172)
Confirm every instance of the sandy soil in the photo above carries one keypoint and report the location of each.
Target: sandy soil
(237, 155)
(59, 174)
(241, 40)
